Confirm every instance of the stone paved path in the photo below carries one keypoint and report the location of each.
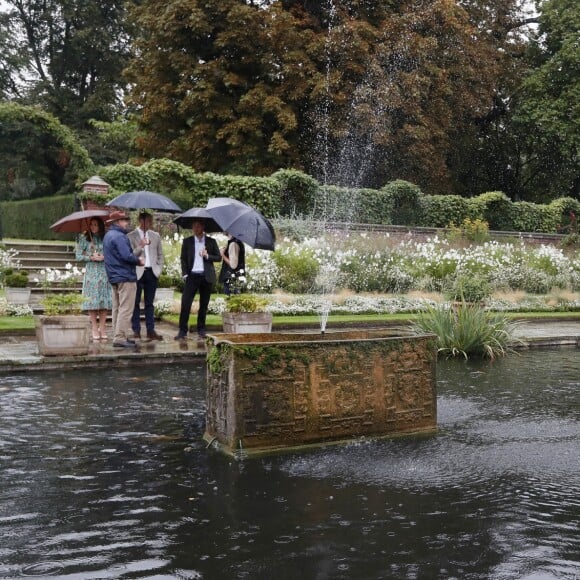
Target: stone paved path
(20, 353)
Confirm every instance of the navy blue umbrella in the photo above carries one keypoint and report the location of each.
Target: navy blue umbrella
(145, 200)
(186, 219)
(243, 222)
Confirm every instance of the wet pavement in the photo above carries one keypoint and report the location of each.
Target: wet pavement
(19, 353)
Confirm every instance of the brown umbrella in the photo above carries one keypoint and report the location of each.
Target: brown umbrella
(78, 221)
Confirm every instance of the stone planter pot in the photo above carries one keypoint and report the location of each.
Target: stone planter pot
(247, 322)
(63, 335)
(266, 392)
(164, 295)
(17, 295)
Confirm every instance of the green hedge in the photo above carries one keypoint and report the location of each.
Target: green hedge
(289, 193)
(439, 211)
(32, 218)
(297, 192)
(190, 189)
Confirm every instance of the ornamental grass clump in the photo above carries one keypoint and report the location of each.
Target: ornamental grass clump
(468, 330)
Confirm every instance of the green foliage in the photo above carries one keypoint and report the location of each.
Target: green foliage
(263, 193)
(16, 279)
(245, 303)
(190, 189)
(531, 217)
(59, 304)
(475, 230)
(38, 155)
(126, 177)
(240, 86)
(166, 281)
(31, 219)
(495, 207)
(112, 142)
(405, 201)
(441, 210)
(297, 271)
(470, 288)
(567, 210)
(72, 55)
(297, 190)
(100, 199)
(547, 107)
(467, 331)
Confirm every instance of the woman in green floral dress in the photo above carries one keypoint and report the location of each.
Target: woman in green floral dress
(96, 287)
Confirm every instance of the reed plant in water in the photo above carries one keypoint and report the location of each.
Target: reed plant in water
(468, 330)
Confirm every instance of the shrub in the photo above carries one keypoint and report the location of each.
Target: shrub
(298, 192)
(496, 207)
(245, 303)
(59, 304)
(405, 201)
(16, 279)
(440, 210)
(297, 271)
(470, 288)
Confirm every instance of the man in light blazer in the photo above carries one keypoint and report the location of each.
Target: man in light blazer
(147, 243)
(198, 254)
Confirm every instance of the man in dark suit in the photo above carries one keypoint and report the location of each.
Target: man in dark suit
(198, 253)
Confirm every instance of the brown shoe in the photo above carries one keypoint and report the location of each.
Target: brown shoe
(137, 336)
(154, 336)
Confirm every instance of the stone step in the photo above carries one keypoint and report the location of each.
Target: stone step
(47, 254)
(35, 256)
(35, 265)
(39, 246)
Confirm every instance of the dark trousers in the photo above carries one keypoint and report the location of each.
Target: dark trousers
(147, 286)
(193, 283)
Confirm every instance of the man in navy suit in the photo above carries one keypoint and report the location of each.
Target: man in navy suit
(198, 253)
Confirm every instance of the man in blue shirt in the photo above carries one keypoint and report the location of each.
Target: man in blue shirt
(120, 264)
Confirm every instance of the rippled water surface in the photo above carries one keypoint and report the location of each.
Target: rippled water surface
(103, 475)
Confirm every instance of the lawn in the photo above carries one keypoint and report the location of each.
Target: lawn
(15, 324)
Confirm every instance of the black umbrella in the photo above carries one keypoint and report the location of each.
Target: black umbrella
(145, 200)
(243, 222)
(197, 213)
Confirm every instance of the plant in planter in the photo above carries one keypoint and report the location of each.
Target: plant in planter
(246, 313)
(62, 304)
(165, 281)
(246, 303)
(16, 286)
(63, 330)
(16, 279)
(165, 286)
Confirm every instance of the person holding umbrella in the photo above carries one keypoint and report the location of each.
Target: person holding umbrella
(234, 257)
(120, 263)
(198, 253)
(96, 287)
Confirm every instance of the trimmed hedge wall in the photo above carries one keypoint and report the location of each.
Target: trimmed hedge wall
(32, 218)
(291, 193)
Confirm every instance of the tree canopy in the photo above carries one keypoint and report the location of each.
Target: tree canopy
(38, 155)
(351, 92)
(71, 54)
(456, 96)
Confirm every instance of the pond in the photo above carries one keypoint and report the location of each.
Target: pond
(103, 474)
